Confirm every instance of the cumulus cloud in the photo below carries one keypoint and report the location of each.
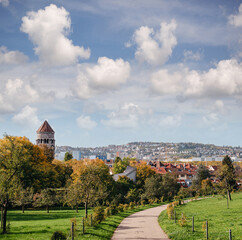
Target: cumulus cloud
(15, 93)
(85, 122)
(48, 29)
(5, 3)
(236, 20)
(27, 116)
(11, 57)
(127, 116)
(155, 47)
(107, 74)
(222, 81)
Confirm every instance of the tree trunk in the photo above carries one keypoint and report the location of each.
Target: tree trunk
(22, 208)
(86, 213)
(76, 208)
(5, 209)
(47, 209)
(1, 217)
(229, 195)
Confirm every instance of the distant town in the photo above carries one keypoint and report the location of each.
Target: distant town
(154, 151)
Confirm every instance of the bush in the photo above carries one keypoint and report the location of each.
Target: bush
(126, 206)
(98, 214)
(113, 209)
(183, 220)
(142, 202)
(107, 212)
(162, 199)
(176, 203)
(131, 205)
(120, 207)
(151, 201)
(170, 210)
(58, 235)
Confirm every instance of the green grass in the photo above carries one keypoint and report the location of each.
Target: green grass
(39, 225)
(220, 219)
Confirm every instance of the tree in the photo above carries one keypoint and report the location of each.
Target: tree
(21, 164)
(202, 174)
(227, 175)
(46, 198)
(68, 156)
(120, 165)
(23, 197)
(94, 181)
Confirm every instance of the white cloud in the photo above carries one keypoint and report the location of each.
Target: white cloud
(222, 81)
(47, 28)
(190, 55)
(27, 116)
(107, 74)
(236, 20)
(155, 47)
(11, 57)
(127, 116)
(16, 93)
(170, 121)
(5, 3)
(86, 122)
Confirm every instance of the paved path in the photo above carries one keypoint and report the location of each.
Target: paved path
(141, 225)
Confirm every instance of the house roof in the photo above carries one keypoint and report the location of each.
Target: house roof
(45, 127)
(126, 173)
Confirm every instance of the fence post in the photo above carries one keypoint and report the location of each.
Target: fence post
(174, 216)
(83, 226)
(230, 234)
(192, 223)
(91, 220)
(72, 231)
(207, 230)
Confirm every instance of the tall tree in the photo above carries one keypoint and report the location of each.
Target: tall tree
(227, 175)
(21, 164)
(202, 174)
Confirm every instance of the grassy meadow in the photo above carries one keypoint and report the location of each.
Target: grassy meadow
(39, 225)
(214, 210)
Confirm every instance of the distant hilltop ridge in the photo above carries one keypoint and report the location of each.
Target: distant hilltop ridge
(154, 151)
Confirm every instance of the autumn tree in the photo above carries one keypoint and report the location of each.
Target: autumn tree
(94, 181)
(120, 165)
(21, 164)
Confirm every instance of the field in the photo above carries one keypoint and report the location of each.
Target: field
(39, 225)
(214, 210)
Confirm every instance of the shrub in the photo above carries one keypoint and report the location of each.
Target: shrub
(73, 220)
(113, 210)
(162, 199)
(142, 202)
(170, 210)
(183, 220)
(151, 201)
(126, 206)
(131, 205)
(120, 207)
(107, 212)
(58, 235)
(176, 203)
(98, 214)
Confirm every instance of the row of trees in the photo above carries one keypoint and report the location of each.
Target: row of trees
(30, 175)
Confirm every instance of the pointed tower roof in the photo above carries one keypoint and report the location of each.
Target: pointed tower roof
(45, 127)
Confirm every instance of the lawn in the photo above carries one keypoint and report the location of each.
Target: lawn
(214, 210)
(39, 225)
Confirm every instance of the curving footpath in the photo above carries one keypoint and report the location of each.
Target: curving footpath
(141, 225)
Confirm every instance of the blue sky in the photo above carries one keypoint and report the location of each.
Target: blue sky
(110, 72)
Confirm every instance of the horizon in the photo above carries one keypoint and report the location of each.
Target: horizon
(106, 72)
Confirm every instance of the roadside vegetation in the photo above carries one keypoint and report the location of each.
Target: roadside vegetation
(214, 210)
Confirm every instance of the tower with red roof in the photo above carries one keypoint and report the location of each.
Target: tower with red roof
(46, 135)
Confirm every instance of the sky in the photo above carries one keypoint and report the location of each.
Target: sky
(111, 72)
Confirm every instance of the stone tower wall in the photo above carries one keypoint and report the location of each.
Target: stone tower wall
(46, 138)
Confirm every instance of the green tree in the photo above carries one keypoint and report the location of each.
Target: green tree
(227, 175)
(68, 156)
(23, 197)
(120, 165)
(46, 198)
(202, 174)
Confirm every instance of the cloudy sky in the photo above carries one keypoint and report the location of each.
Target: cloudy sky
(110, 72)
